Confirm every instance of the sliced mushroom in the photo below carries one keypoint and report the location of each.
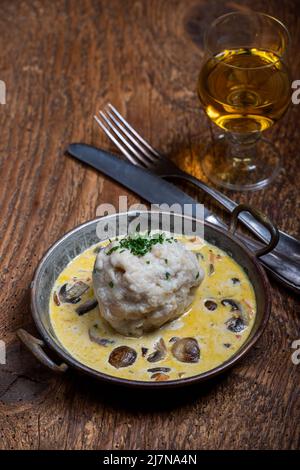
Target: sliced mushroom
(211, 265)
(235, 324)
(211, 269)
(94, 336)
(210, 304)
(72, 293)
(234, 306)
(159, 377)
(186, 350)
(159, 369)
(56, 299)
(173, 339)
(160, 352)
(240, 319)
(122, 356)
(86, 306)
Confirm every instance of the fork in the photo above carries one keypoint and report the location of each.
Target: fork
(139, 152)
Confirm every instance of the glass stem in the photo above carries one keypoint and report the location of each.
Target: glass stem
(242, 149)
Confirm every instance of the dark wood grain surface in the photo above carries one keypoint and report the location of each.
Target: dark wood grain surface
(61, 61)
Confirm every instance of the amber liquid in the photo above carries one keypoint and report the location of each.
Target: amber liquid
(244, 90)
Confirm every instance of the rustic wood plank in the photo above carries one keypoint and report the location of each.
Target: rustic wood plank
(61, 61)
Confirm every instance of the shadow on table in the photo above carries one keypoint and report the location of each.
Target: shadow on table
(137, 399)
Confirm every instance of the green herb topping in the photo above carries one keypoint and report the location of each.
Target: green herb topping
(168, 275)
(140, 244)
(111, 284)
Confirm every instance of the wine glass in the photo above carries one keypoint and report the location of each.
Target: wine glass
(244, 86)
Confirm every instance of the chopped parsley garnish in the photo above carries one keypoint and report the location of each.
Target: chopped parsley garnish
(114, 248)
(166, 261)
(198, 274)
(168, 275)
(140, 244)
(111, 284)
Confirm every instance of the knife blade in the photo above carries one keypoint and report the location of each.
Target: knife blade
(157, 191)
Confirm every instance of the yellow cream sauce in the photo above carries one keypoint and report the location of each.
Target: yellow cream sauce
(216, 342)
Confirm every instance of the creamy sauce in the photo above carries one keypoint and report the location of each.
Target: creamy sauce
(224, 279)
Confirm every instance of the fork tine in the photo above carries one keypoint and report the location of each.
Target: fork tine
(130, 137)
(134, 132)
(133, 151)
(115, 141)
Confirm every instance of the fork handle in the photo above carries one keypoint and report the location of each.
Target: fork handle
(287, 244)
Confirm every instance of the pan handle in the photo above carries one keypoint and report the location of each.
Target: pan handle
(35, 347)
(263, 220)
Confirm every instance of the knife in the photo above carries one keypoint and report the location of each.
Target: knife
(157, 191)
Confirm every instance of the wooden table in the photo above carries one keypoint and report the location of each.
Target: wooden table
(61, 61)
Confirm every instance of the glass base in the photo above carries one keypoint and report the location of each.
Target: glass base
(241, 174)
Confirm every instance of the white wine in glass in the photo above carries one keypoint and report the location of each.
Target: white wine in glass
(244, 87)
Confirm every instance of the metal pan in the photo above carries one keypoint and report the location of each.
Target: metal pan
(84, 236)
